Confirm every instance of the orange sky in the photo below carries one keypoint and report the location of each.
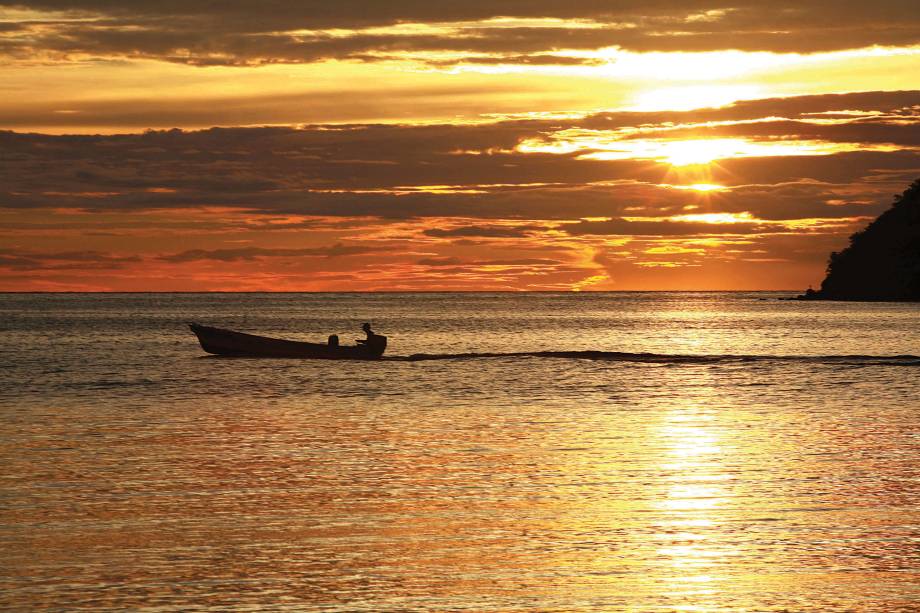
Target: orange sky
(410, 145)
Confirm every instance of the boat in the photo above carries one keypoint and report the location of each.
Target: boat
(230, 343)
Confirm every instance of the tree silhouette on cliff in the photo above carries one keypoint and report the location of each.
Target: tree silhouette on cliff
(883, 260)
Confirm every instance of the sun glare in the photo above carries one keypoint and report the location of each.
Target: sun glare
(701, 187)
(609, 145)
(717, 218)
(687, 152)
(684, 152)
(693, 97)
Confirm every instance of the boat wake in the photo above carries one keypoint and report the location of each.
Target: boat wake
(659, 358)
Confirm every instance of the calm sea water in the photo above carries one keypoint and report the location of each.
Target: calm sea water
(776, 469)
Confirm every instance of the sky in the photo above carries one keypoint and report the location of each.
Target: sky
(359, 145)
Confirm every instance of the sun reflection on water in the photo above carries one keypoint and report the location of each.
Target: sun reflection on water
(695, 485)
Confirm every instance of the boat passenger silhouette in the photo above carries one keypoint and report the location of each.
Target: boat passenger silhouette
(374, 343)
(371, 336)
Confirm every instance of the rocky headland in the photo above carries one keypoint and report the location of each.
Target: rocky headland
(882, 261)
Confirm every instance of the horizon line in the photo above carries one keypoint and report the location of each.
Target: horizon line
(466, 291)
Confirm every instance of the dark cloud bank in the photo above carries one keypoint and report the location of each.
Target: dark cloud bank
(381, 170)
(235, 33)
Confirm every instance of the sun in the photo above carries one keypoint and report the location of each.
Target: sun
(701, 187)
(717, 218)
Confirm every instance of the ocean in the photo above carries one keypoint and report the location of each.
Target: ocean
(512, 452)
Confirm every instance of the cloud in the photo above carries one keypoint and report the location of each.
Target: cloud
(203, 33)
(624, 227)
(440, 261)
(69, 260)
(478, 172)
(453, 261)
(486, 231)
(253, 253)
(362, 206)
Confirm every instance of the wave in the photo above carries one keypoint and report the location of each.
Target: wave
(660, 358)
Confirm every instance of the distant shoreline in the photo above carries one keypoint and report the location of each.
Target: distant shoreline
(805, 298)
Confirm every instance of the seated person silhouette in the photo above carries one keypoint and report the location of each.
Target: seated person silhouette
(333, 340)
(375, 343)
(370, 335)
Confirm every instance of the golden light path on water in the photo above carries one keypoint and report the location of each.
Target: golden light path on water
(140, 475)
(696, 491)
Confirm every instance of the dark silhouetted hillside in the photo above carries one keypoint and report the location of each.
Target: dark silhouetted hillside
(882, 261)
